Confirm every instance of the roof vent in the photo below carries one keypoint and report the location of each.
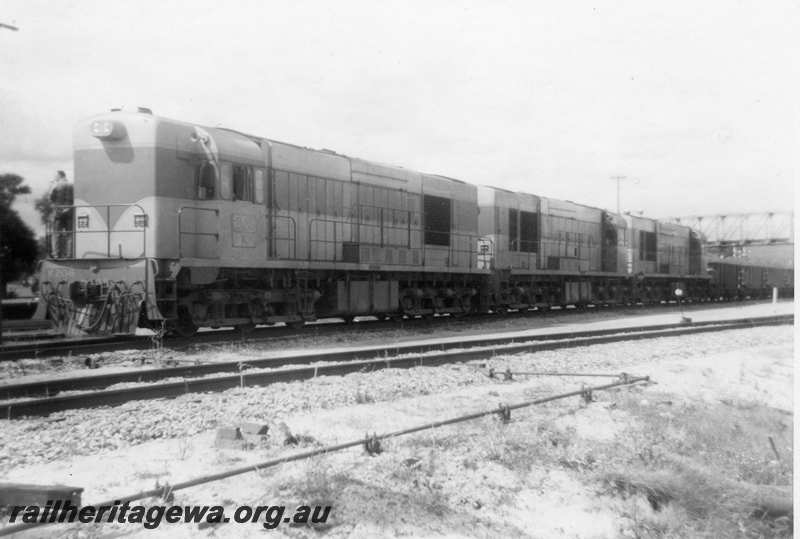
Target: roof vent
(144, 110)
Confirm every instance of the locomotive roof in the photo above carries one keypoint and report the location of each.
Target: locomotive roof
(258, 139)
(550, 198)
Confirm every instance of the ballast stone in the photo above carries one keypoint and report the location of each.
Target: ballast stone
(244, 437)
(258, 429)
(230, 438)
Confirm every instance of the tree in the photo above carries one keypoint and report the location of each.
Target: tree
(44, 206)
(18, 247)
(11, 186)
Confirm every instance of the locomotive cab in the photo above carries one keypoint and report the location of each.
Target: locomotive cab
(148, 193)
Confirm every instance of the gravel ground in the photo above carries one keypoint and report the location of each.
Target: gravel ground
(497, 350)
(97, 431)
(457, 481)
(42, 369)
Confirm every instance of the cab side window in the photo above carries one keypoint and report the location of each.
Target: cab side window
(647, 246)
(513, 229)
(226, 177)
(242, 183)
(528, 232)
(206, 181)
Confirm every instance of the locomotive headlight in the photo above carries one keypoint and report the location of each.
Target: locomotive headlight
(107, 129)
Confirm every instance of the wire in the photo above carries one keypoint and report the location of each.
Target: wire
(505, 409)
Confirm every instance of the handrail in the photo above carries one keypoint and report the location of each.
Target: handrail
(63, 209)
(355, 232)
(471, 251)
(181, 232)
(334, 242)
(468, 243)
(291, 239)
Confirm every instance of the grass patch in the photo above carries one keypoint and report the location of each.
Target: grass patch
(422, 479)
(673, 470)
(318, 484)
(710, 467)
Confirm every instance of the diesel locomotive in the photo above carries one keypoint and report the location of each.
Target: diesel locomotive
(180, 226)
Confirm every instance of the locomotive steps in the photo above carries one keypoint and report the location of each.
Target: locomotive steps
(199, 378)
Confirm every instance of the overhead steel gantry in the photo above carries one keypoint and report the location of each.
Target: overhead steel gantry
(742, 229)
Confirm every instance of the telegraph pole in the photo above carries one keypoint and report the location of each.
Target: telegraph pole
(619, 180)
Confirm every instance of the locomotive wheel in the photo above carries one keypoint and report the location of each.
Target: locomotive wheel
(245, 329)
(296, 324)
(184, 327)
(467, 308)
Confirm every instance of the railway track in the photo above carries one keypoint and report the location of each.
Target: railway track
(175, 381)
(56, 347)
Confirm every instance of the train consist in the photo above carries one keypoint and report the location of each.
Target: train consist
(180, 226)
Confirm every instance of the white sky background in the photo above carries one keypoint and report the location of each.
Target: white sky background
(696, 100)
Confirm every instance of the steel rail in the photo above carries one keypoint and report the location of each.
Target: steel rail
(21, 349)
(160, 492)
(339, 363)
(49, 388)
(24, 348)
(96, 344)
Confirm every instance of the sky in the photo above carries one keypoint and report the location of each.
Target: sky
(694, 103)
